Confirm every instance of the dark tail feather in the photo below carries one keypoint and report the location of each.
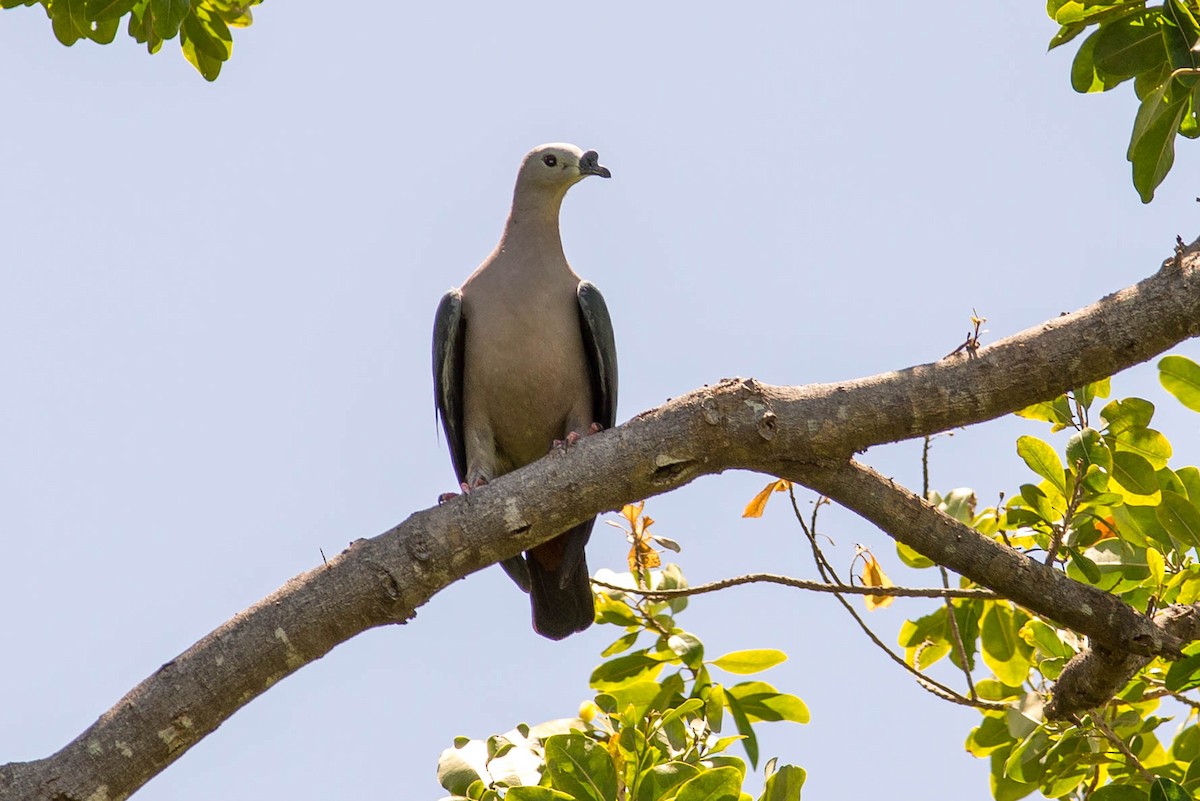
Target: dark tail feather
(560, 592)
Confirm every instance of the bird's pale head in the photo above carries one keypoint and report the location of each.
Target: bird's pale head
(559, 166)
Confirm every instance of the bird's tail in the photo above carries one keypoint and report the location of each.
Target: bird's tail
(560, 591)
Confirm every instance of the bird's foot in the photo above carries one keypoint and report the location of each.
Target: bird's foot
(466, 490)
(574, 436)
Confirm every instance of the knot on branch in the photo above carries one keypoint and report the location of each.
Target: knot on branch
(765, 419)
(1096, 675)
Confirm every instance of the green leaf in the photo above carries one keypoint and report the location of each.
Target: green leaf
(1190, 478)
(1157, 566)
(721, 784)
(1087, 393)
(1139, 525)
(750, 661)
(209, 33)
(1168, 480)
(581, 767)
(750, 743)
(991, 733)
(1025, 762)
(1167, 790)
(100, 10)
(1181, 377)
(1067, 33)
(623, 670)
(1009, 657)
(1134, 473)
(1003, 787)
(168, 16)
(760, 701)
(1180, 518)
(1042, 460)
(61, 22)
(1180, 32)
(1085, 565)
(1119, 415)
(536, 794)
(686, 708)
(784, 784)
(912, 558)
(1084, 78)
(714, 708)
(656, 782)
(1152, 145)
(1088, 446)
(615, 611)
(688, 648)
(1056, 412)
(461, 766)
(1151, 445)
(1131, 45)
(1184, 674)
(623, 644)
(1118, 792)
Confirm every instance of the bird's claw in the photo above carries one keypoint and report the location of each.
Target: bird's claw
(574, 436)
(466, 490)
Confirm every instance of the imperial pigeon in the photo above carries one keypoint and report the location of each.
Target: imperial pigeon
(523, 360)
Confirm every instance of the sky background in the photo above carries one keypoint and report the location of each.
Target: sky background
(215, 314)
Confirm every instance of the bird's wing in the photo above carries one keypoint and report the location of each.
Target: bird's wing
(449, 338)
(601, 348)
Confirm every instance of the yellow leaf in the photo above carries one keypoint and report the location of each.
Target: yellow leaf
(759, 502)
(873, 576)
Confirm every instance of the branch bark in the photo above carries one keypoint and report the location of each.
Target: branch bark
(807, 434)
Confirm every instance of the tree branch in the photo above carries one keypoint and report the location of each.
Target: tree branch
(804, 433)
(803, 584)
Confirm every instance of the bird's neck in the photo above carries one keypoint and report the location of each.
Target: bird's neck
(532, 224)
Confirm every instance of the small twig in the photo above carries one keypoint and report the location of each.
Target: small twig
(1058, 533)
(972, 342)
(935, 687)
(823, 567)
(959, 647)
(1163, 692)
(956, 635)
(804, 584)
(1103, 727)
(834, 585)
(925, 466)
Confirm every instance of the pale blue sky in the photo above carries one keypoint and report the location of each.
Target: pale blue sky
(216, 302)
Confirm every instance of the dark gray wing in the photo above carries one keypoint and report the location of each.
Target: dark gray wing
(601, 348)
(449, 341)
(449, 338)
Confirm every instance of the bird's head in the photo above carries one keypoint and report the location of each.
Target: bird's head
(559, 166)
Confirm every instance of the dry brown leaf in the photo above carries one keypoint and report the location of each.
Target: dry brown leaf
(759, 502)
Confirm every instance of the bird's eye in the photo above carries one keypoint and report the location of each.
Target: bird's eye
(549, 160)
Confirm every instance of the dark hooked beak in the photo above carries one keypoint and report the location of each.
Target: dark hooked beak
(589, 164)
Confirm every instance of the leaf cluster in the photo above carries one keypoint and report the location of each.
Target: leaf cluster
(1115, 515)
(1154, 46)
(201, 25)
(657, 728)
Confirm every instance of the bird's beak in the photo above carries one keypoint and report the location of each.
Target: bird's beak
(589, 164)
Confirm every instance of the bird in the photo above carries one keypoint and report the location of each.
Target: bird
(524, 361)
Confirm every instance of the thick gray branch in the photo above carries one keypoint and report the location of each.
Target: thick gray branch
(808, 433)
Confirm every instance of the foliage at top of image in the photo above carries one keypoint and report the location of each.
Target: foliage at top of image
(1158, 48)
(201, 25)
